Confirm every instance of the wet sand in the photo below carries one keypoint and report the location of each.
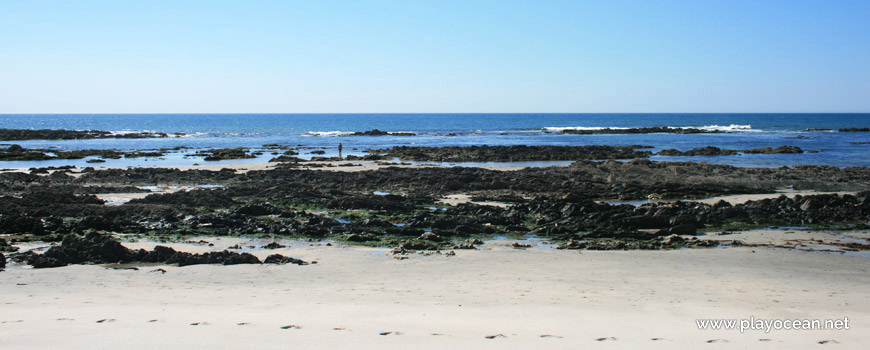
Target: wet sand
(542, 298)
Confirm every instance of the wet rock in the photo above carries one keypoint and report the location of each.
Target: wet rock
(159, 254)
(61, 134)
(780, 149)
(704, 151)
(280, 260)
(468, 244)
(376, 132)
(572, 244)
(274, 245)
(429, 236)
(512, 153)
(361, 237)
(91, 249)
(647, 130)
(21, 257)
(225, 153)
(418, 244)
(517, 245)
(2, 261)
(673, 239)
(194, 198)
(222, 257)
(257, 210)
(684, 229)
(40, 261)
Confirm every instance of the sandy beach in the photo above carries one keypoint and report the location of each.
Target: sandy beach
(359, 297)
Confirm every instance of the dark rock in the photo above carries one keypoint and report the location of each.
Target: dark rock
(417, 244)
(704, 151)
(513, 153)
(91, 249)
(2, 261)
(222, 257)
(684, 229)
(60, 134)
(780, 149)
(429, 236)
(40, 261)
(280, 260)
(648, 130)
(517, 245)
(376, 132)
(361, 237)
(274, 245)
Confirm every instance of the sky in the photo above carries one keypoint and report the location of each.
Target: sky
(434, 56)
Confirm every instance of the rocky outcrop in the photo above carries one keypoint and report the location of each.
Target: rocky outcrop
(716, 151)
(705, 151)
(281, 260)
(376, 132)
(60, 134)
(649, 130)
(513, 153)
(780, 149)
(102, 249)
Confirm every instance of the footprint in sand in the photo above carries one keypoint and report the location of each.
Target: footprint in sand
(549, 336)
(717, 341)
(763, 339)
(65, 319)
(605, 338)
(655, 339)
(199, 324)
(495, 336)
(242, 324)
(152, 320)
(388, 333)
(291, 326)
(339, 329)
(829, 341)
(106, 320)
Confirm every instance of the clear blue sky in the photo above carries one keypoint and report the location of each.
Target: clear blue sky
(434, 56)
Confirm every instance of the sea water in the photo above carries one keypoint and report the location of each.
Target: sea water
(313, 132)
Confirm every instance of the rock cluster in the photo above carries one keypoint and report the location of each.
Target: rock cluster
(60, 134)
(649, 130)
(101, 249)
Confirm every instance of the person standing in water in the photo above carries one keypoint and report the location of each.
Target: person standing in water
(339, 150)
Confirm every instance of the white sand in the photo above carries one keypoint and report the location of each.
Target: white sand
(743, 198)
(439, 302)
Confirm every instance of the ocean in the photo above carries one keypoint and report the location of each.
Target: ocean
(325, 131)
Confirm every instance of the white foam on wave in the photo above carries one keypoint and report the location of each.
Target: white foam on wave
(579, 128)
(724, 128)
(349, 133)
(168, 134)
(328, 133)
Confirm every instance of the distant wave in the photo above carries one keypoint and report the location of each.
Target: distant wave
(329, 133)
(728, 128)
(350, 133)
(168, 134)
(563, 128)
(719, 128)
